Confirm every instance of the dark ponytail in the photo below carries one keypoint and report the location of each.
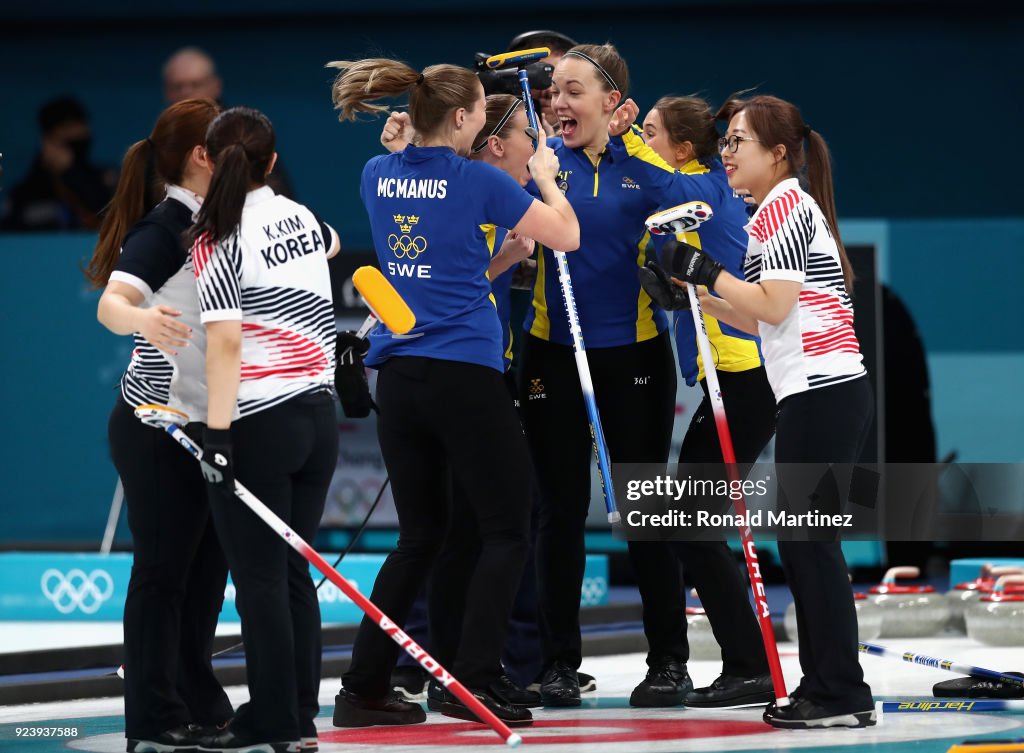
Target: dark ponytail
(147, 167)
(819, 180)
(775, 121)
(240, 143)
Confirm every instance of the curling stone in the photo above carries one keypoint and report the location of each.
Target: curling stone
(703, 645)
(869, 619)
(908, 611)
(997, 619)
(964, 594)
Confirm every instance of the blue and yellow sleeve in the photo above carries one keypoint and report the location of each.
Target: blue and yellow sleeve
(665, 184)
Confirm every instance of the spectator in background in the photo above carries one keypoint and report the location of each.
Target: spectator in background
(559, 44)
(190, 72)
(63, 190)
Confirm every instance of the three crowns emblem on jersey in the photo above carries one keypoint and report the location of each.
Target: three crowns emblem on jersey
(405, 246)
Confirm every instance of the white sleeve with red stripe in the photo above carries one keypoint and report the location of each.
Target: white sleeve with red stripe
(785, 229)
(218, 269)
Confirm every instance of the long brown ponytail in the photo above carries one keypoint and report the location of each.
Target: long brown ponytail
(433, 94)
(241, 144)
(147, 166)
(775, 121)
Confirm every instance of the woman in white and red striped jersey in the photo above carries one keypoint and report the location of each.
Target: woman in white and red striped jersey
(796, 296)
(265, 300)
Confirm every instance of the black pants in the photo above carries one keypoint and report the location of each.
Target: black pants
(177, 583)
(710, 566)
(635, 386)
(439, 627)
(826, 425)
(285, 456)
(435, 414)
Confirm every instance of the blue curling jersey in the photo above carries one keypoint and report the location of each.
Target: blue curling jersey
(723, 238)
(428, 210)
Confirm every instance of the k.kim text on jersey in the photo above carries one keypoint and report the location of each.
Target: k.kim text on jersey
(281, 228)
(294, 247)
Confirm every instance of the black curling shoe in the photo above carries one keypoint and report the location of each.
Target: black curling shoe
(805, 714)
(732, 692)
(351, 710)
(509, 692)
(178, 740)
(512, 715)
(229, 742)
(560, 686)
(666, 684)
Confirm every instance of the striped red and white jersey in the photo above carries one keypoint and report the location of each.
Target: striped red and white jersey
(815, 345)
(156, 262)
(272, 275)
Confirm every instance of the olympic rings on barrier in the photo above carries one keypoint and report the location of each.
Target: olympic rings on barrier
(593, 591)
(76, 590)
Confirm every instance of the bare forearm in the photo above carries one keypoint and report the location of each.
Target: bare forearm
(555, 199)
(499, 265)
(117, 313)
(755, 300)
(724, 312)
(223, 366)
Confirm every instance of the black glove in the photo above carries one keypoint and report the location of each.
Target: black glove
(218, 469)
(689, 263)
(661, 289)
(350, 375)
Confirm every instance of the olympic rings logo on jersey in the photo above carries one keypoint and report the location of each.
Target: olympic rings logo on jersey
(406, 247)
(76, 590)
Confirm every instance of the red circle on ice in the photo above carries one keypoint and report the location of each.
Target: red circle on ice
(562, 731)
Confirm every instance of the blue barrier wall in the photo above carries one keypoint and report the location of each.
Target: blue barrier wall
(61, 367)
(900, 93)
(61, 587)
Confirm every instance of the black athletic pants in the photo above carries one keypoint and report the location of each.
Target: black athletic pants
(436, 622)
(710, 566)
(635, 386)
(177, 583)
(436, 415)
(825, 425)
(284, 455)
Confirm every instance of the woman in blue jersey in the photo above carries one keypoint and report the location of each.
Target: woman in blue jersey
(794, 291)
(680, 135)
(178, 571)
(507, 142)
(265, 300)
(632, 368)
(440, 390)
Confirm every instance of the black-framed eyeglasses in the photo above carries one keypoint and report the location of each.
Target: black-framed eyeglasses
(502, 122)
(733, 143)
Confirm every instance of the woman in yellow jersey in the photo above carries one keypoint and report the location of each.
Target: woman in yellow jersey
(681, 130)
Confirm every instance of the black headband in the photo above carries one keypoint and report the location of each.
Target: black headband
(497, 128)
(600, 68)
